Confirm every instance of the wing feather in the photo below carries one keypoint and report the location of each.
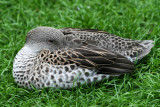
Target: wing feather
(104, 61)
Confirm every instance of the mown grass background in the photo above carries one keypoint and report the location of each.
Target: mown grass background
(135, 19)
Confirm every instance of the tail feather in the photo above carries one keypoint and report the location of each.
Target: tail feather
(147, 46)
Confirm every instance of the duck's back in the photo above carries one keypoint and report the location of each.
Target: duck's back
(132, 49)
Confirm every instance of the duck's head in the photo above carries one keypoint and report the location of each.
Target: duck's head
(45, 38)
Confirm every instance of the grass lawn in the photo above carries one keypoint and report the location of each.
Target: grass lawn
(135, 19)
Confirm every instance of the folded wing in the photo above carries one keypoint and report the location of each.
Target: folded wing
(90, 57)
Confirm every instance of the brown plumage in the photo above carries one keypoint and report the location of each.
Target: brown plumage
(105, 62)
(132, 49)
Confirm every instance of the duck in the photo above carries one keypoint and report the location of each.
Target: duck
(70, 57)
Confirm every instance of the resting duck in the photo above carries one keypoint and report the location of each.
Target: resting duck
(67, 57)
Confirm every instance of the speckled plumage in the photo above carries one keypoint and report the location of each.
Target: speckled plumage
(66, 58)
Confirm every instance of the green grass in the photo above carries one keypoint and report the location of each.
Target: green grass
(135, 19)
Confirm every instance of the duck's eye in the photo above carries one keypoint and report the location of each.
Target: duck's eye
(51, 41)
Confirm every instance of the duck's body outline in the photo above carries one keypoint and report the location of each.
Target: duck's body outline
(47, 57)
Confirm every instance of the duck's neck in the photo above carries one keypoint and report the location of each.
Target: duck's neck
(24, 59)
